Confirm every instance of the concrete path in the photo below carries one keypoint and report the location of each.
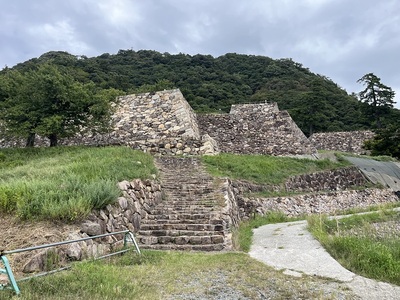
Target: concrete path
(290, 247)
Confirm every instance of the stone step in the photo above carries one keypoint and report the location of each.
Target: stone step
(190, 206)
(212, 218)
(207, 247)
(174, 229)
(170, 221)
(181, 240)
(174, 220)
(181, 210)
(186, 180)
(191, 196)
(173, 194)
(193, 191)
(187, 203)
(188, 218)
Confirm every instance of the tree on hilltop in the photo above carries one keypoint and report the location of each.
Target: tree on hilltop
(378, 96)
(49, 102)
(386, 141)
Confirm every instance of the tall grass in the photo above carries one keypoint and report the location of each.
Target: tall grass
(264, 169)
(66, 183)
(359, 246)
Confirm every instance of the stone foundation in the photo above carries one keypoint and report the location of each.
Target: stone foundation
(126, 214)
(351, 141)
(322, 203)
(256, 129)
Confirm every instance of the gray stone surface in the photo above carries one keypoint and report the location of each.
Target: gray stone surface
(386, 173)
(351, 141)
(327, 202)
(256, 129)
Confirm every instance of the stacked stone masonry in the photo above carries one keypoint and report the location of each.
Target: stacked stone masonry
(322, 192)
(352, 141)
(160, 122)
(330, 180)
(137, 201)
(195, 214)
(256, 129)
(164, 123)
(319, 203)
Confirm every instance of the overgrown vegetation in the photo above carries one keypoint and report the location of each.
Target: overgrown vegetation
(212, 84)
(176, 275)
(65, 183)
(264, 169)
(385, 142)
(367, 244)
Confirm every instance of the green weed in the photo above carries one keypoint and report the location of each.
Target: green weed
(360, 246)
(264, 169)
(66, 183)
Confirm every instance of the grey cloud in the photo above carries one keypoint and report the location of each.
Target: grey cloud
(338, 38)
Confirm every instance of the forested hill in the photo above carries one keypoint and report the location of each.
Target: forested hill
(211, 84)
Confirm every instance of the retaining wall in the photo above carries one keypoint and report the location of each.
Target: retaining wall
(161, 122)
(326, 203)
(125, 214)
(256, 129)
(351, 141)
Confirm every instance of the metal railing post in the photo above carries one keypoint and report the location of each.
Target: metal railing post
(128, 237)
(10, 274)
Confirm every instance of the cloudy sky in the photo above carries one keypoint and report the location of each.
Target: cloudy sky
(341, 39)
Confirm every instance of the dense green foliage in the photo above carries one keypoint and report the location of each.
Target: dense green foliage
(378, 96)
(264, 169)
(66, 183)
(386, 141)
(315, 102)
(47, 100)
(371, 251)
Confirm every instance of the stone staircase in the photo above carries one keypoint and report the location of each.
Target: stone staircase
(190, 216)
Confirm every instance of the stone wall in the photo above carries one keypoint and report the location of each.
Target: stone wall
(330, 180)
(160, 122)
(138, 198)
(256, 129)
(164, 123)
(351, 141)
(326, 203)
(327, 192)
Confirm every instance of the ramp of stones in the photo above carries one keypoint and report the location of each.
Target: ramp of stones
(189, 217)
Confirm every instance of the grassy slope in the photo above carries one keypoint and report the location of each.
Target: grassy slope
(61, 167)
(264, 169)
(66, 182)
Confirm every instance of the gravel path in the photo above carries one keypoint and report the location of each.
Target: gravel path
(290, 247)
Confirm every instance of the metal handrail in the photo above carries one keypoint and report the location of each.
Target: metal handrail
(10, 274)
(61, 243)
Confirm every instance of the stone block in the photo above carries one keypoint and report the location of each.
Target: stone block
(91, 228)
